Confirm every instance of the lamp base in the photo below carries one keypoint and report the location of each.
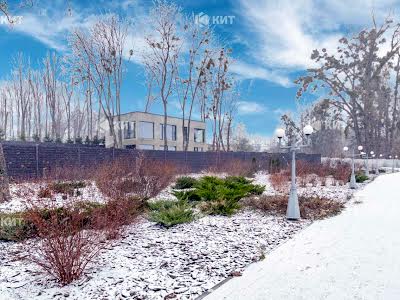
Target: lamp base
(293, 209)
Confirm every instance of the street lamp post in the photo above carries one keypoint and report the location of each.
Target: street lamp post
(353, 184)
(372, 161)
(366, 164)
(293, 209)
(364, 155)
(375, 164)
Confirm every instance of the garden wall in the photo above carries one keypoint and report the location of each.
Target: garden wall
(30, 160)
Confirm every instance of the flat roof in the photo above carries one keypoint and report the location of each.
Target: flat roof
(154, 114)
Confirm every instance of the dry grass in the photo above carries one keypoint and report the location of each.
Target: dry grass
(310, 208)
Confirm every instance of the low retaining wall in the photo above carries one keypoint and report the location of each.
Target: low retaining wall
(31, 160)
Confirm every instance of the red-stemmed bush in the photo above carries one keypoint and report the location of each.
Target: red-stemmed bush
(62, 249)
(143, 178)
(279, 181)
(234, 167)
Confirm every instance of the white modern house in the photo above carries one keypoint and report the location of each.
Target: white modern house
(144, 131)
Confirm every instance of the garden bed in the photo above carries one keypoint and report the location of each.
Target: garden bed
(150, 261)
(25, 195)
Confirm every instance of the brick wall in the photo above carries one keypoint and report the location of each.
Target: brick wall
(30, 160)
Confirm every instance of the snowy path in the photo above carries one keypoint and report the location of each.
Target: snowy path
(352, 256)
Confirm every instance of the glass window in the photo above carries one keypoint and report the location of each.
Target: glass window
(185, 134)
(129, 130)
(171, 132)
(198, 149)
(170, 148)
(145, 147)
(199, 135)
(146, 130)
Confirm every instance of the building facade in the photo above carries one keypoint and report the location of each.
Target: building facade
(145, 131)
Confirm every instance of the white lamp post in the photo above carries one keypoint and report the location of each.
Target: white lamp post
(293, 209)
(372, 154)
(375, 164)
(353, 184)
(364, 155)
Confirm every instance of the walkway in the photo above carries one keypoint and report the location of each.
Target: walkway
(355, 255)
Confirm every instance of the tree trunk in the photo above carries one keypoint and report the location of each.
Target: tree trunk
(4, 184)
(165, 126)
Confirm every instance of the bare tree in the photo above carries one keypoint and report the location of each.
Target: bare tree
(4, 9)
(357, 82)
(51, 82)
(98, 55)
(191, 74)
(161, 61)
(218, 82)
(231, 110)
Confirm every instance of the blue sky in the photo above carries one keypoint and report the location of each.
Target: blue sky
(271, 41)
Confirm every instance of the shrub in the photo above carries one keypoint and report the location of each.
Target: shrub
(94, 216)
(67, 188)
(185, 182)
(235, 167)
(316, 208)
(274, 166)
(64, 249)
(115, 214)
(44, 192)
(13, 227)
(211, 188)
(143, 178)
(220, 196)
(189, 196)
(170, 213)
(279, 181)
(310, 207)
(224, 207)
(275, 205)
(360, 178)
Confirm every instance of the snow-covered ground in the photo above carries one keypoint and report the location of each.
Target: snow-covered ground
(24, 195)
(351, 256)
(150, 262)
(329, 191)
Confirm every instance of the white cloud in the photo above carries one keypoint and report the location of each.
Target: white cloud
(287, 31)
(248, 71)
(248, 107)
(52, 28)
